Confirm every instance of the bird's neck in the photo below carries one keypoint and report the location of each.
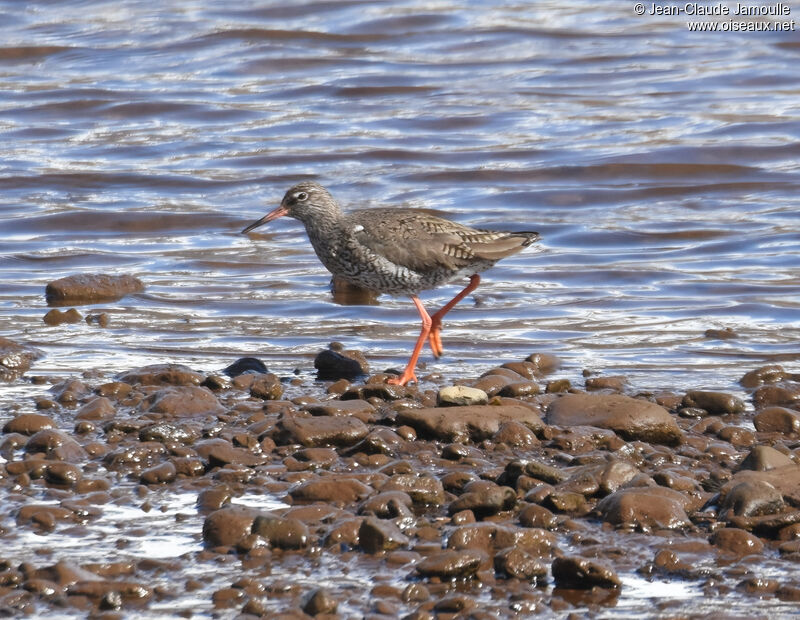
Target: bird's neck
(322, 228)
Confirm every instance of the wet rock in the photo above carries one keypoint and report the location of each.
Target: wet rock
(523, 369)
(763, 458)
(380, 441)
(182, 401)
(787, 394)
(336, 490)
(70, 392)
(376, 535)
(716, 403)
(319, 431)
(460, 395)
(520, 389)
(631, 418)
(334, 363)
(55, 445)
(91, 288)
(361, 409)
(99, 590)
(614, 475)
(15, 359)
(534, 469)
(63, 474)
(581, 573)
(490, 537)
(281, 532)
(320, 602)
(472, 423)
(519, 564)
(536, 516)
(736, 541)
(543, 363)
(209, 500)
(777, 420)
(169, 433)
(161, 374)
(266, 387)
(134, 458)
(516, 435)
(56, 317)
(219, 452)
(424, 489)
(244, 365)
(316, 458)
(99, 408)
(484, 498)
(612, 384)
(381, 391)
(44, 516)
(727, 333)
(160, 474)
(451, 564)
(387, 505)
(493, 383)
(772, 373)
(227, 526)
(645, 509)
(751, 499)
(28, 424)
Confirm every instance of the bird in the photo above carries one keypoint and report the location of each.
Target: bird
(399, 251)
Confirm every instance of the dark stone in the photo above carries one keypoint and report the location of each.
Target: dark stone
(334, 365)
(252, 365)
(376, 535)
(91, 288)
(452, 564)
(580, 573)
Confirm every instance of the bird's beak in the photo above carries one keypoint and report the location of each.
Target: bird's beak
(274, 214)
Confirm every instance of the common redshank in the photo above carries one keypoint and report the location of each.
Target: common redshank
(397, 251)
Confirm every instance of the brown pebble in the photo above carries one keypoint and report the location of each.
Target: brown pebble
(57, 317)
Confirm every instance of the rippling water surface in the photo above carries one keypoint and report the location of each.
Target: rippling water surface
(659, 165)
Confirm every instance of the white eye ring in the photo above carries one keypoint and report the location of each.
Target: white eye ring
(301, 196)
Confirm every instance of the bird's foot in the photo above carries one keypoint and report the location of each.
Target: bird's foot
(408, 375)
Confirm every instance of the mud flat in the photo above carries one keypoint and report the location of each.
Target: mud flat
(167, 492)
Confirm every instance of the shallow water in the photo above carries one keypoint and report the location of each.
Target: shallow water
(659, 165)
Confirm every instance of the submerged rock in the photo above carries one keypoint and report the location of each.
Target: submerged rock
(91, 288)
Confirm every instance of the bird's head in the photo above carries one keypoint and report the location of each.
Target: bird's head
(305, 201)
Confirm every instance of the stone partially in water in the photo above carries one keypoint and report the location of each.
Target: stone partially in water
(91, 288)
(28, 424)
(777, 420)
(452, 564)
(631, 418)
(161, 374)
(335, 363)
(182, 401)
(472, 423)
(15, 359)
(581, 573)
(645, 509)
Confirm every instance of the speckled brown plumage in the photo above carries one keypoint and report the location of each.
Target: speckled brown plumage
(396, 251)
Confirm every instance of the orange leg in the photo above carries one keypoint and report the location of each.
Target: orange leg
(408, 373)
(435, 339)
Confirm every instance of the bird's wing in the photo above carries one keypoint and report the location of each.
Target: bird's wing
(413, 239)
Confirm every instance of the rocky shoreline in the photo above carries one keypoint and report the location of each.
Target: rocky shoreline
(514, 493)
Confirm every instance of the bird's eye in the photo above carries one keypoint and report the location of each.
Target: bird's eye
(301, 196)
